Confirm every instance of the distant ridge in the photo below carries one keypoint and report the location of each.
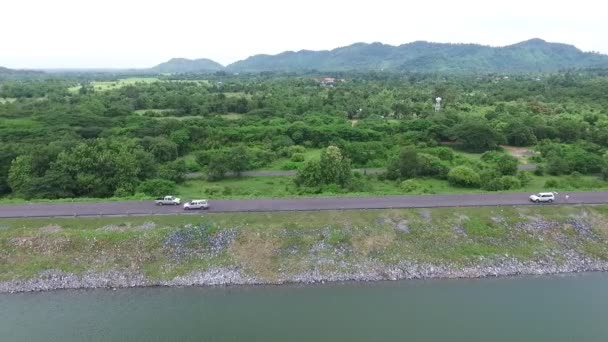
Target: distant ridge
(14, 72)
(534, 55)
(184, 65)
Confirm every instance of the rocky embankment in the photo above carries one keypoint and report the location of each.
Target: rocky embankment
(54, 280)
(388, 245)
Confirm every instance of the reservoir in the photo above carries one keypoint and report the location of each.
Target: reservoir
(544, 308)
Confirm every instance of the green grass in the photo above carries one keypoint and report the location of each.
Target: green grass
(4, 100)
(243, 187)
(280, 163)
(163, 112)
(109, 85)
(237, 94)
(282, 186)
(268, 245)
(232, 116)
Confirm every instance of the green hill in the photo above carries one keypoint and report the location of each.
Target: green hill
(184, 65)
(535, 55)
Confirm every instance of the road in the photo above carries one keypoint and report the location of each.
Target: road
(371, 171)
(290, 204)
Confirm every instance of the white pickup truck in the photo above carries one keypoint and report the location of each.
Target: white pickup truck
(168, 200)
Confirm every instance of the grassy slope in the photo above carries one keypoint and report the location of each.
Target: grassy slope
(269, 244)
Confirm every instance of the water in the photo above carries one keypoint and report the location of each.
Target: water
(556, 308)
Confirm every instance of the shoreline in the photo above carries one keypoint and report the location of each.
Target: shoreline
(52, 280)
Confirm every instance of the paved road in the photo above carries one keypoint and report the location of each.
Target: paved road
(290, 204)
(371, 171)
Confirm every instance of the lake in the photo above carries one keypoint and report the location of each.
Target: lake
(547, 308)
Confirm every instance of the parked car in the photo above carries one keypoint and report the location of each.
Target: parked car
(196, 204)
(543, 197)
(168, 200)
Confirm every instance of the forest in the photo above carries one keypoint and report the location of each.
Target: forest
(102, 136)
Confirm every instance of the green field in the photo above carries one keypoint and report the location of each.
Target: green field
(110, 85)
(281, 163)
(7, 100)
(282, 186)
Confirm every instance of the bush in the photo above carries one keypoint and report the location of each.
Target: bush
(290, 166)
(510, 182)
(524, 178)
(463, 176)
(551, 183)
(539, 171)
(296, 149)
(297, 157)
(409, 185)
(157, 187)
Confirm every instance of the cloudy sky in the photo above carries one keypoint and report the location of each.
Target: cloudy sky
(132, 33)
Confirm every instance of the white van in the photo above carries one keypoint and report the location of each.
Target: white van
(196, 204)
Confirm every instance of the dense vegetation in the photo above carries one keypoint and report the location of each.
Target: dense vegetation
(73, 136)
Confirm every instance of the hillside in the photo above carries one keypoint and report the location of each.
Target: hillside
(535, 55)
(14, 72)
(184, 65)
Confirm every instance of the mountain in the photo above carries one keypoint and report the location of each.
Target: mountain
(535, 55)
(184, 65)
(14, 72)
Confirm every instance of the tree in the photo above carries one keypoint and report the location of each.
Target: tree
(518, 134)
(174, 171)
(335, 169)
(411, 164)
(507, 165)
(163, 149)
(101, 167)
(238, 160)
(157, 187)
(217, 166)
(405, 166)
(332, 168)
(477, 136)
(20, 173)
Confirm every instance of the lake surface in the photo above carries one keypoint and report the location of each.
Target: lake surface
(553, 308)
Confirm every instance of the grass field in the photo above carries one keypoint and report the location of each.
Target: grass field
(232, 116)
(280, 163)
(272, 245)
(109, 85)
(7, 100)
(282, 186)
(161, 112)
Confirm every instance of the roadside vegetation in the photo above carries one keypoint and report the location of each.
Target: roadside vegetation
(274, 246)
(102, 136)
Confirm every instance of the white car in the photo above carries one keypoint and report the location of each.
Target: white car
(196, 204)
(543, 197)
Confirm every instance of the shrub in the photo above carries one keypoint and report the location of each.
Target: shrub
(463, 176)
(510, 182)
(297, 157)
(289, 166)
(539, 171)
(296, 149)
(551, 183)
(157, 187)
(524, 178)
(409, 185)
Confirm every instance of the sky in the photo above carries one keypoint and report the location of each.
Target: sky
(138, 34)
